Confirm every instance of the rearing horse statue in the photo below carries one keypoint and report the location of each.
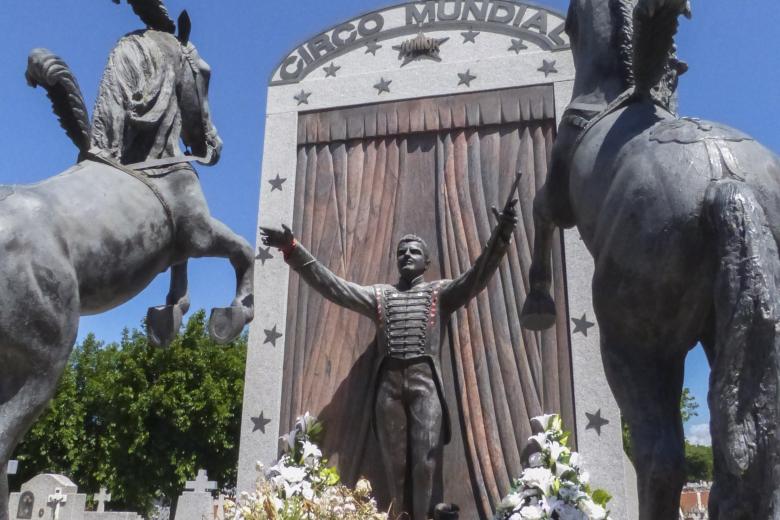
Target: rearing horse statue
(682, 218)
(95, 235)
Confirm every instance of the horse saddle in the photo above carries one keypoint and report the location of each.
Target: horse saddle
(688, 130)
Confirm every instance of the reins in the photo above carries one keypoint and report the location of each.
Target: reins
(133, 171)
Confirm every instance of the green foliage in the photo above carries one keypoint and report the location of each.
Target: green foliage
(141, 420)
(698, 463)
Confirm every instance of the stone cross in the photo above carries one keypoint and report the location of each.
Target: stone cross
(201, 484)
(56, 501)
(101, 499)
(219, 503)
(13, 467)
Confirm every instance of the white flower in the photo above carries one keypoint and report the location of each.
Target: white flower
(311, 451)
(544, 422)
(569, 512)
(575, 460)
(511, 502)
(592, 510)
(536, 460)
(289, 441)
(304, 422)
(531, 513)
(557, 450)
(541, 478)
(540, 439)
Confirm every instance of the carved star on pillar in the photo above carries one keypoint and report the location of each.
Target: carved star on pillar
(470, 36)
(582, 325)
(383, 86)
(372, 46)
(264, 254)
(271, 335)
(259, 423)
(302, 97)
(517, 46)
(548, 67)
(596, 421)
(331, 70)
(276, 184)
(466, 78)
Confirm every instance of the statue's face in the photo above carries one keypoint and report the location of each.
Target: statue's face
(412, 261)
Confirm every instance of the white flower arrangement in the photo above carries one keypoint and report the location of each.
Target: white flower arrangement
(301, 486)
(554, 486)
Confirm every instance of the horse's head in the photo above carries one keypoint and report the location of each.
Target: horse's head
(600, 32)
(198, 131)
(154, 92)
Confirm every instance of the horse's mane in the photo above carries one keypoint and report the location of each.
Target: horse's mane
(623, 37)
(136, 114)
(635, 61)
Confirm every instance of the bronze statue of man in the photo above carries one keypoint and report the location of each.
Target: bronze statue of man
(411, 418)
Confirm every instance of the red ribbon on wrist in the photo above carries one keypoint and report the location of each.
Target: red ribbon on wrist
(289, 248)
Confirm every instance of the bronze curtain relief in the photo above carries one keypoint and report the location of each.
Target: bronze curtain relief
(434, 167)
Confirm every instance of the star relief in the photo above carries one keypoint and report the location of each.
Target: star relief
(331, 70)
(271, 336)
(466, 78)
(596, 421)
(582, 325)
(517, 46)
(276, 183)
(548, 67)
(264, 254)
(259, 423)
(470, 36)
(302, 97)
(372, 46)
(383, 86)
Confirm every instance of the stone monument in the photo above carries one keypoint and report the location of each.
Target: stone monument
(91, 238)
(415, 118)
(683, 218)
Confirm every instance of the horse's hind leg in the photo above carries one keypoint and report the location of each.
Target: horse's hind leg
(163, 322)
(225, 324)
(745, 377)
(648, 388)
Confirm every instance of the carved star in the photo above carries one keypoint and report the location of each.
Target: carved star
(466, 78)
(596, 421)
(470, 36)
(517, 46)
(302, 97)
(276, 184)
(548, 67)
(271, 336)
(383, 86)
(331, 70)
(260, 423)
(582, 325)
(264, 254)
(372, 46)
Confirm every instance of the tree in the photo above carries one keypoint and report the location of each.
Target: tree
(698, 462)
(140, 420)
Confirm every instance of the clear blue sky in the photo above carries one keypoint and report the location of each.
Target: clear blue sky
(733, 79)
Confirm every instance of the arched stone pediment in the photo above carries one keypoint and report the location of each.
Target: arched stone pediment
(523, 27)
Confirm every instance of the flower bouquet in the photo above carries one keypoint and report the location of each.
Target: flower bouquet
(554, 486)
(301, 486)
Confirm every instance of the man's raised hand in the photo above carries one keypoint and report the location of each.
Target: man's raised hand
(278, 238)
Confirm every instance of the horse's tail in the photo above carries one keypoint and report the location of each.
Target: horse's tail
(46, 69)
(745, 377)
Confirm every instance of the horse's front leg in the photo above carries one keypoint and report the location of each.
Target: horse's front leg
(552, 209)
(163, 322)
(539, 308)
(217, 240)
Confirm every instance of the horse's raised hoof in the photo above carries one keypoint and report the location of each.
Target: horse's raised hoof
(538, 311)
(162, 324)
(226, 323)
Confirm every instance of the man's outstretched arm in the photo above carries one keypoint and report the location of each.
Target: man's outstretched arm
(459, 291)
(353, 296)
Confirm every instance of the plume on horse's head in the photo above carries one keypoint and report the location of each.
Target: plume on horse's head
(136, 114)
